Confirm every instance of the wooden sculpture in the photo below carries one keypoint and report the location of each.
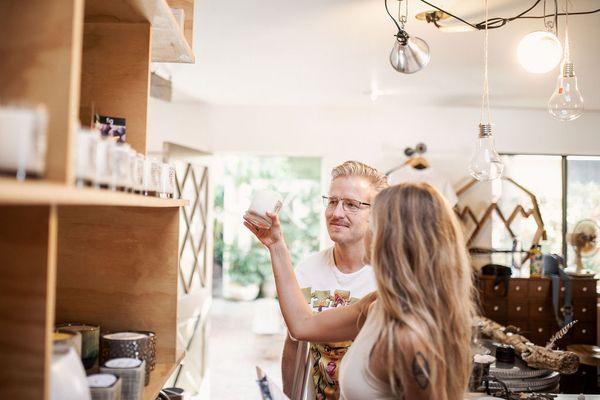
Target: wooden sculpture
(565, 362)
(466, 213)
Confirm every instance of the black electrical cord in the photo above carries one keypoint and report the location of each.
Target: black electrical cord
(497, 22)
(401, 36)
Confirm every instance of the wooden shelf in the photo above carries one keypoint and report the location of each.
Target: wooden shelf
(159, 377)
(13, 192)
(168, 44)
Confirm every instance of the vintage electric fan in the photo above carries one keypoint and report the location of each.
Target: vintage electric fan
(584, 240)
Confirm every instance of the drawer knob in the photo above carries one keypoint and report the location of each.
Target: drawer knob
(584, 309)
(584, 331)
(496, 287)
(539, 288)
(518, 308)
(496, 308)
(584, 289)
(540, 329)
(517, 288)
(562, 289)
(540, 309)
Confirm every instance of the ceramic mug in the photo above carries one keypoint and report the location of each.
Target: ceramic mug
(90, 341)
(263, 201)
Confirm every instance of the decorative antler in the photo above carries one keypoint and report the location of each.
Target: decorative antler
(558, 335)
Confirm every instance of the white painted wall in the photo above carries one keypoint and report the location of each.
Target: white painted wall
(376, 135)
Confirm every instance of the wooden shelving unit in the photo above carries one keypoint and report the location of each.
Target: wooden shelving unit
(48, 193)
(81, 254)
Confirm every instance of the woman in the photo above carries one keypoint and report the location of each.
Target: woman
(411, 337)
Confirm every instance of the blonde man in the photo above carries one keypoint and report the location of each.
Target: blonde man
(338, 275)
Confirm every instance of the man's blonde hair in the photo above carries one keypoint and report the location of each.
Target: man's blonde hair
(355, 168)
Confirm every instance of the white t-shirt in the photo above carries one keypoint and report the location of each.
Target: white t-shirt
(319, 272)
(429, 175)
(325, 286)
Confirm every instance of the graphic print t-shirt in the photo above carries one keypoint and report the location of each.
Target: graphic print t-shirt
(324, 286)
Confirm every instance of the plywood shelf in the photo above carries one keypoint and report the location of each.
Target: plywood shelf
(168, 43)
(159, 377)
(13, 192)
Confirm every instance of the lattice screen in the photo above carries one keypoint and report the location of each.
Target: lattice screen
(195, 274)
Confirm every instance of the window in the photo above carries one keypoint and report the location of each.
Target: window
(297, 179)
(567, 189)
(583, 200)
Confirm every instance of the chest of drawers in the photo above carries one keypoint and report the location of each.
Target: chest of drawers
(527, 304)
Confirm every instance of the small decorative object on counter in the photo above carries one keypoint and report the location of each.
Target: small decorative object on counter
(505, 354)
(105, 173)
(105, 386)
(565, 362)
(67, 376)
(137, 173)
(132, 372)
(140, 345)
(536, 261)
(481, 369)
(264, 201)
(90, 335)
(111, 127)
(173, 393)
(85, 156)
(23, 141)
(68, 338)
(151, 177)
(122, 166)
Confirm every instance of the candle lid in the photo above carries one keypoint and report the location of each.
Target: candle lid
(101, 380)
(123, 363)
(125, 336)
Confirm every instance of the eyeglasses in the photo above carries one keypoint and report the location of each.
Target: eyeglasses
(348, 205)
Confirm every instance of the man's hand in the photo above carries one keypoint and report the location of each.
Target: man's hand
(269, 237)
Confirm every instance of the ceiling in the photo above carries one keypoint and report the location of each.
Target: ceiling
(335, 53)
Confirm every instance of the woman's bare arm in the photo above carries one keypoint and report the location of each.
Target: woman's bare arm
(337, 324)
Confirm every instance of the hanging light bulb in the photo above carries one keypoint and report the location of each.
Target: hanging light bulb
(539, 52)
(566, 103)
(409, 54)
(486, 164)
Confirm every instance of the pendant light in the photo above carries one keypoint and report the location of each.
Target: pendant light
(566, 103)
(540, 51)
(409, 54)
(486, 164)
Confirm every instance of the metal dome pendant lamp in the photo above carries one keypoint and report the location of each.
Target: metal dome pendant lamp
(409, 54)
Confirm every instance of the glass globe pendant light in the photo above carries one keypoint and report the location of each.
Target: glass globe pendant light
(485, 164)
(566, 103)
(409, 54)
(540, 51)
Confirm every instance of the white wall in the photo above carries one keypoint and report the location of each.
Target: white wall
(376, 135)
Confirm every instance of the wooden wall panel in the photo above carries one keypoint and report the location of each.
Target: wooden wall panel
(40, 59)
(27, 262)
(115, 78)
(117, 267)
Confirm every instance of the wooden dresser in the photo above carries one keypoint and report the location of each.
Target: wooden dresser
(527, 304)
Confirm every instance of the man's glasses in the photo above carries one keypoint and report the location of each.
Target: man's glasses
(348, 205)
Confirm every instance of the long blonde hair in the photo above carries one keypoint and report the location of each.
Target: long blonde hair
(425, 285)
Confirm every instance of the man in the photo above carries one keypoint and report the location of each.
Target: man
(339, 275)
